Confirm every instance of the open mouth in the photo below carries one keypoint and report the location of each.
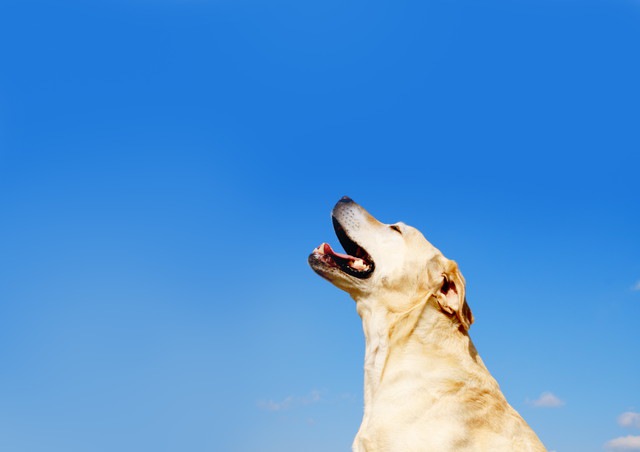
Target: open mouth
(356, 262)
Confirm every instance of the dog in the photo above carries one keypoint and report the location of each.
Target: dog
(425, 386)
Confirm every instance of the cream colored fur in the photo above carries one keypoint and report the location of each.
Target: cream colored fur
(425, 387)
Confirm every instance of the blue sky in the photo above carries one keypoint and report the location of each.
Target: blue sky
(167, 166)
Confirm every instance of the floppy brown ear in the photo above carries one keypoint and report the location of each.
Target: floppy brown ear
(452, 296)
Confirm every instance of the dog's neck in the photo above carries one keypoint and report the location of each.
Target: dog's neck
(375, 324)
(435, 333)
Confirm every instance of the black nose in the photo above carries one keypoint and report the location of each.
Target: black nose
(345, 199)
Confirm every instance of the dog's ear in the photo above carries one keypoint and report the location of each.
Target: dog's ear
(451, 296)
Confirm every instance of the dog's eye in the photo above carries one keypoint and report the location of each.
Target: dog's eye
(396, 228)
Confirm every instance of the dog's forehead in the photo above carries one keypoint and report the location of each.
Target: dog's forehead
(427, 255)
(417, 238)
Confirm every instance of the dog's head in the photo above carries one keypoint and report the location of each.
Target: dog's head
(391, 264)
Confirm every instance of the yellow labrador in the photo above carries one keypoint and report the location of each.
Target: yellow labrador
(425, 387)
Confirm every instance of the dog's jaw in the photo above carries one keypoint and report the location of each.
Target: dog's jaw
(352, 270)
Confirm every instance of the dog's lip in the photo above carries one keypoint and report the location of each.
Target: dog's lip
(355, 262)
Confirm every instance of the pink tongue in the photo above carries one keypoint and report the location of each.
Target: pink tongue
(328, 250)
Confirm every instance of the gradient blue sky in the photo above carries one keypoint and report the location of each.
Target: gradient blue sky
(167, 166)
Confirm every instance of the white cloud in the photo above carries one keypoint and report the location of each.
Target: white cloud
(629, 419)
(290, 402)
(623, 443)
(637, 286)
(546, 400)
